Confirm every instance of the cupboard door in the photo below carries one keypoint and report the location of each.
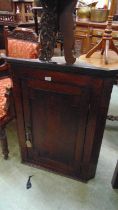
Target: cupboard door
(55, 118)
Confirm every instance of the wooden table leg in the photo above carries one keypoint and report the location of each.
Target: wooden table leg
(114, 181)
(4, 144)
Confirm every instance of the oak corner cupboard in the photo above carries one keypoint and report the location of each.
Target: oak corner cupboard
(61, 113)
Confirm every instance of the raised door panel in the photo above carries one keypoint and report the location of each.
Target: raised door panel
(55, 120)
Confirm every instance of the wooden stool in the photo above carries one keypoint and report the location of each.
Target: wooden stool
(106, 42)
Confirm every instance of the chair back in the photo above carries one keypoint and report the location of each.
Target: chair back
(21, 43)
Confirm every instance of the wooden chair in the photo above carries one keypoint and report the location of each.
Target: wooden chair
(20, 43)
(6, 111)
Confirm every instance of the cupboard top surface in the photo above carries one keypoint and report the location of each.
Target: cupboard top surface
(80, 67)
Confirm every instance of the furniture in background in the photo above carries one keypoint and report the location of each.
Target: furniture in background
(116, 13)
(61, 113)
(86, 29)
(98, 60)
(15, 13)
(90, 33)
(6, 113)
(23, 9)
(6, 105)
(20, 43)
(37, 14)
(106, 43)
(6, 5)
(114, 181)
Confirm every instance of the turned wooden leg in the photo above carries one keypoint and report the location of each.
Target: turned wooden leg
(114, 181)
(113, 47)
(66, 27)
(95, 48)
(4, 144)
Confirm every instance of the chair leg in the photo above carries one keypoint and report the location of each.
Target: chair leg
(4, 144)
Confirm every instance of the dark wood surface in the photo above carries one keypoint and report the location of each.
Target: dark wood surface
(61, 113)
